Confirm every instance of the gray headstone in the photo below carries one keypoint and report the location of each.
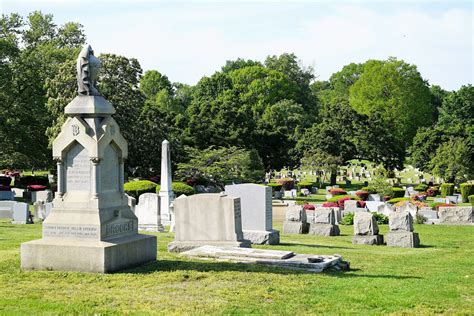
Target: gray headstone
(148, 212)
(324, 215)
(6, 209)
(400, 221)
(374, 197)
(373, 206)
(6, 196)
(20, 213)
(365, 224)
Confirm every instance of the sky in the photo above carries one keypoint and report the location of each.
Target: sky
(187, 40)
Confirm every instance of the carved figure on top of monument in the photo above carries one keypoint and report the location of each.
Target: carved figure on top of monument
(87, 71)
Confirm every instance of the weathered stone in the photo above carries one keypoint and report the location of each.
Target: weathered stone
(324, 229)
(385, 209)
(456, 215)
(367, 240)
(45, 196)
(148, 212)
(296, 213)
(292, 227)
(350, 205)
(400, 221)
(365, 224)
(166, 192)
(324, 215)
(207, 219)
(374, 197)
(256, 208)
(91, 228)
(403, 239)
(6, 209)
(410, 208)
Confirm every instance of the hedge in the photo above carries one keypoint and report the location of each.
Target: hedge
(304, 184)
(396, 200)
(397, 193)
(275, 186)
(336, 198)
(421, 187)
(370, 188)
(447, 189)
(137, 188)
(467, 189)
(471, 199)
(179, 188)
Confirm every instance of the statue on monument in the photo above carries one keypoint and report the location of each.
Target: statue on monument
(88, 67)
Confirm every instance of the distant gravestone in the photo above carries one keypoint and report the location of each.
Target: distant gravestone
(385, 209)
(366, 230)
(350, 205)
(374, 197)
(6, 196)
(456, 215)
(256, 208)
(373, 206)
(295, 220)
(6, 209)
(430, 215)
(43, 196)
(452, 199)
(401, 231)
(410, 208)
(207, 219)
(20, 213)
(148, 212)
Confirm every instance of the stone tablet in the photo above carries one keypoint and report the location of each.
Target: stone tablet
(456, 215)
(365, 224)
(256, 208)
(400, 221)
(386, 209)
(148, 212)
(20, 213)
(44, 196)
(207, 219)
(324, 216)
(374, 197)
(295, 220)
(408, 207)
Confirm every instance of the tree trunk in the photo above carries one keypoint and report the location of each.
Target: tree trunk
(333, 177)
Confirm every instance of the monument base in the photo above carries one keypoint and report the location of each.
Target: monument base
(151, 228)
(367, 240)
(403, 239)
(324, 230)
(180, 246)
(88, 256)
(290, 227)
(262, 237)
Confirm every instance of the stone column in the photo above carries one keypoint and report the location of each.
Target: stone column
(166, 193)
(95, 177)
(60, 176)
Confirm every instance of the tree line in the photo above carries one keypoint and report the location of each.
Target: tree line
(248, 117)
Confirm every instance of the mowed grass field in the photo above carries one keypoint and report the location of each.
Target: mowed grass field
(436, 278)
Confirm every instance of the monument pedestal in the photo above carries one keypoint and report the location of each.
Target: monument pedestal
(262, 237)
(367, 240)
(88, 256)
(324, 230)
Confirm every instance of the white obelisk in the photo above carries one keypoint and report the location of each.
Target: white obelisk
(166, 192)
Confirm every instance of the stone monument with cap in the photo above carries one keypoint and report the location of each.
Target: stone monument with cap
(91, 227)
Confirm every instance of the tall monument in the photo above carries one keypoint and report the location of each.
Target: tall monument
(91, 228)
(166, 192)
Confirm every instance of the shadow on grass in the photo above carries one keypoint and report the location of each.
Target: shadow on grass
(207, 266)
(311, 245)
(426, 246)
(371, 276)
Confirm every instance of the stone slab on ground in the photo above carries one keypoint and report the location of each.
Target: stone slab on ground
(88, 256)
(367, 240)
(181, 246)
(403, 239)
(277, 258)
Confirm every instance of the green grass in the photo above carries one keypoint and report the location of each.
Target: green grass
(437, 278)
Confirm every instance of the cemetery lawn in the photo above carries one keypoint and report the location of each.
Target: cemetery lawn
(436, 278)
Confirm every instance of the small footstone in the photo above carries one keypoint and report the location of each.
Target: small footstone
(403, 239)
(290, 227)
(367, 240)
(324, 230)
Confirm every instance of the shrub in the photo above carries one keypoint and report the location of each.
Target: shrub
(420, 219)
(275, 186)
(338, 197)
(330, 204)
(337, 191)
(304, 184)
(421, 187)
(471, 199)
(380, 218)
(363, 195)
(447, 189)
(309, 207)
(361, 204)
(433, 191)
(467, 189)
(136, 188)
(370, 189)
(348, 219)
(286, 183)
(179, 188)
(396, 200)
(397, 193)
(419, 197)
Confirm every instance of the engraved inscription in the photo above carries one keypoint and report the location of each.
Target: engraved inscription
(118, 228)
(268, 210)
(78, 169)
(70, 231)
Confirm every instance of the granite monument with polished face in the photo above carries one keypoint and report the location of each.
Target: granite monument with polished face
(91, 227)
